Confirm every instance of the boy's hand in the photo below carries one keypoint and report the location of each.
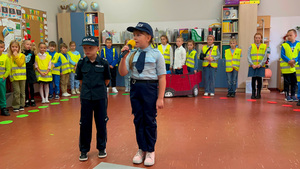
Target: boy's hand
(160, 103)
(195, 71)
(254, 66)
(111, 66)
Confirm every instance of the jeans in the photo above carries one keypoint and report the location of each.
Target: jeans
(290, 80)
(190, 70)
(73, 82)
(56, 80)
(127, 81)
(232, 79)
(209, 79)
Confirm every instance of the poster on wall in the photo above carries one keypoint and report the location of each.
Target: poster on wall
(19, 12)
(4, 8)
(12, 11)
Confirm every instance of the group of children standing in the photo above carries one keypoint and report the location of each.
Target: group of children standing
(26, 67)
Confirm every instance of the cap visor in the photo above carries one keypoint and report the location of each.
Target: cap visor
(90, 44)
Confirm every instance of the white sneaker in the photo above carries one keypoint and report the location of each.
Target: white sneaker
(205, 94)
(46, 100)
(43, 100)
(66, 94)
(77, 91)
(212, 94)
(139, 157)
(73, 91)
(149, 161)
(107, 90)
(114, 90)
(127, 90)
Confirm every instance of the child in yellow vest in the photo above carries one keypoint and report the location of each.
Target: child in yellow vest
(166, 50)
(43, 71)
(4, 73)
(191, 57)
(210, 65)
(17, 75)
(75, 56)
(65, 69)
(232, 56)
(257, 56)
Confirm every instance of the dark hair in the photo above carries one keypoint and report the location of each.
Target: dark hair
(63, 45)
(52, 43)
(292, 30)
(260, 36)
(42, 43)
(72, 42)
(1, 42)
(108, 39)
(191, 41)
(165, 36)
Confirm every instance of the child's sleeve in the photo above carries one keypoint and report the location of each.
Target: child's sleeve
(249, 56)
(160, 65)
(196, 61)
(102, 53)
(283, 56)
(171, 53)
(35, 63)
(8, 68)
(71, 61)
(262, 63)
(58, 62)
(106, 71)
(183, 57)
(115, 61)
(218, 55)
(20, 60)
(78, 75)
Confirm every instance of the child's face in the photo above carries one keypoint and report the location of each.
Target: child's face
(108, 44)
(73, 47)
(42, 48)
(52, 48)
(142, 39)
(2, 47)
(291, 36)
(257, 39)
(27, 45)
(163, 40)
(179, 42)
(64, 50)
(210, 41)
(14, 48)
(90, 51)
(190, 46)
(233, 44)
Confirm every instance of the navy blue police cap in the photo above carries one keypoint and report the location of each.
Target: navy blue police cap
(142, 26)
(90, 40)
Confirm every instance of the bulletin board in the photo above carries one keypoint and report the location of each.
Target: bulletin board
(35, 25)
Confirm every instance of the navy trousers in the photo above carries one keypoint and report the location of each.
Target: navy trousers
(99, 107)
(143, 98)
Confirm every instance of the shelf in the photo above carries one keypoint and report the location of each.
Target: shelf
(230, 32)
(260, 28)
(231, 19)
(91, 24)
(237, 5)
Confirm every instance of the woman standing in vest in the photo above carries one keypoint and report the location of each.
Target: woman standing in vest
(191, 57)
(257, 56)
(43, 71)
(166, 50)
(232, 56)
(210, 65)
(18, 75)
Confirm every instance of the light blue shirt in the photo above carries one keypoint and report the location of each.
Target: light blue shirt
(154, 64)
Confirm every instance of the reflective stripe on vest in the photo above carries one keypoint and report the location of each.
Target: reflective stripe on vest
(75, 58)
(65, 66)
(54, 60)
(114, 55)
(165, 53)
(43, 66)
(212, 53)
(297, 72)
(233, 59)
(257, 54)
(3, 59)
(285, 67)
(190, 59)
(18, 73)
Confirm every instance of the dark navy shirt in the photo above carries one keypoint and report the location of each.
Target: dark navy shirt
(93, 76)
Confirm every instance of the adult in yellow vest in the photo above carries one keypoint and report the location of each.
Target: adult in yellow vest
(75, 56)
(111, 55)
(191, 57)
(4, 73)
(56, 70)
(232, 56)
(43, 71)
(257, 57)
(289, 55)
(17, 75)
(210, 64)
(166, 50)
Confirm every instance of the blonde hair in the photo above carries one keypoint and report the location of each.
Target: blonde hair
(33, 48)
(71, 43)
(23, 45)
(180, 37)
(259, 35)
(233, 40)
(10, 53)
(292, 30)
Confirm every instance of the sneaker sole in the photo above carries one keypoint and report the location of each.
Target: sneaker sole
(102, 156)
(83, 159)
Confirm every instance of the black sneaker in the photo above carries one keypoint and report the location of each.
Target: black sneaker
(228, 94)
(21, 108)
(33, 103)
(83, 156)
(232, 94)
(102, 154)
(27, 104)
(50, 97)
(16, 110)
(5, 112)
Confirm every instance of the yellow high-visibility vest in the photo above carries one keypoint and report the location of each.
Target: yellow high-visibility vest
(165, 53)
(43, 66)
(190, 58)
(17, 73)
(65, 64)
(54, 60)
(213, 53)
(114, 54)
(257, 54)
(233, 59)
(75, 58)
(3, 66)
(285, 67)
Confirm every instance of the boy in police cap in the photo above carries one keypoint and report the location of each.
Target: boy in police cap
(94, 74)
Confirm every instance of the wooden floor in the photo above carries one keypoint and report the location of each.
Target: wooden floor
(209, 133)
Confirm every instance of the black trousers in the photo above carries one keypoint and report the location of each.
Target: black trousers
(99, 108)
(290, 80)
(143, 98)
(259, 83)
(113, 73)
(29, 88)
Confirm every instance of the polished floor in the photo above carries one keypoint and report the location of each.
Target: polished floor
(208, 133)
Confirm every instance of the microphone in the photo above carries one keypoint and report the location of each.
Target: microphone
(131, 45)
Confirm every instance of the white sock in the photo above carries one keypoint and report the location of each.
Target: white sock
(42, 92)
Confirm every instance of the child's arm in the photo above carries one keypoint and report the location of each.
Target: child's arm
(49, 67)
(102, 53)
(262, 63)
(20, 59)
(283, 56)
(161, 91)
(115, 61)
(250, 59)
(218, 55)
(196, 63)
(183, 57)
(7, 69)
(71, 61)
(107, 75)
(122, 66)
(58, 62)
